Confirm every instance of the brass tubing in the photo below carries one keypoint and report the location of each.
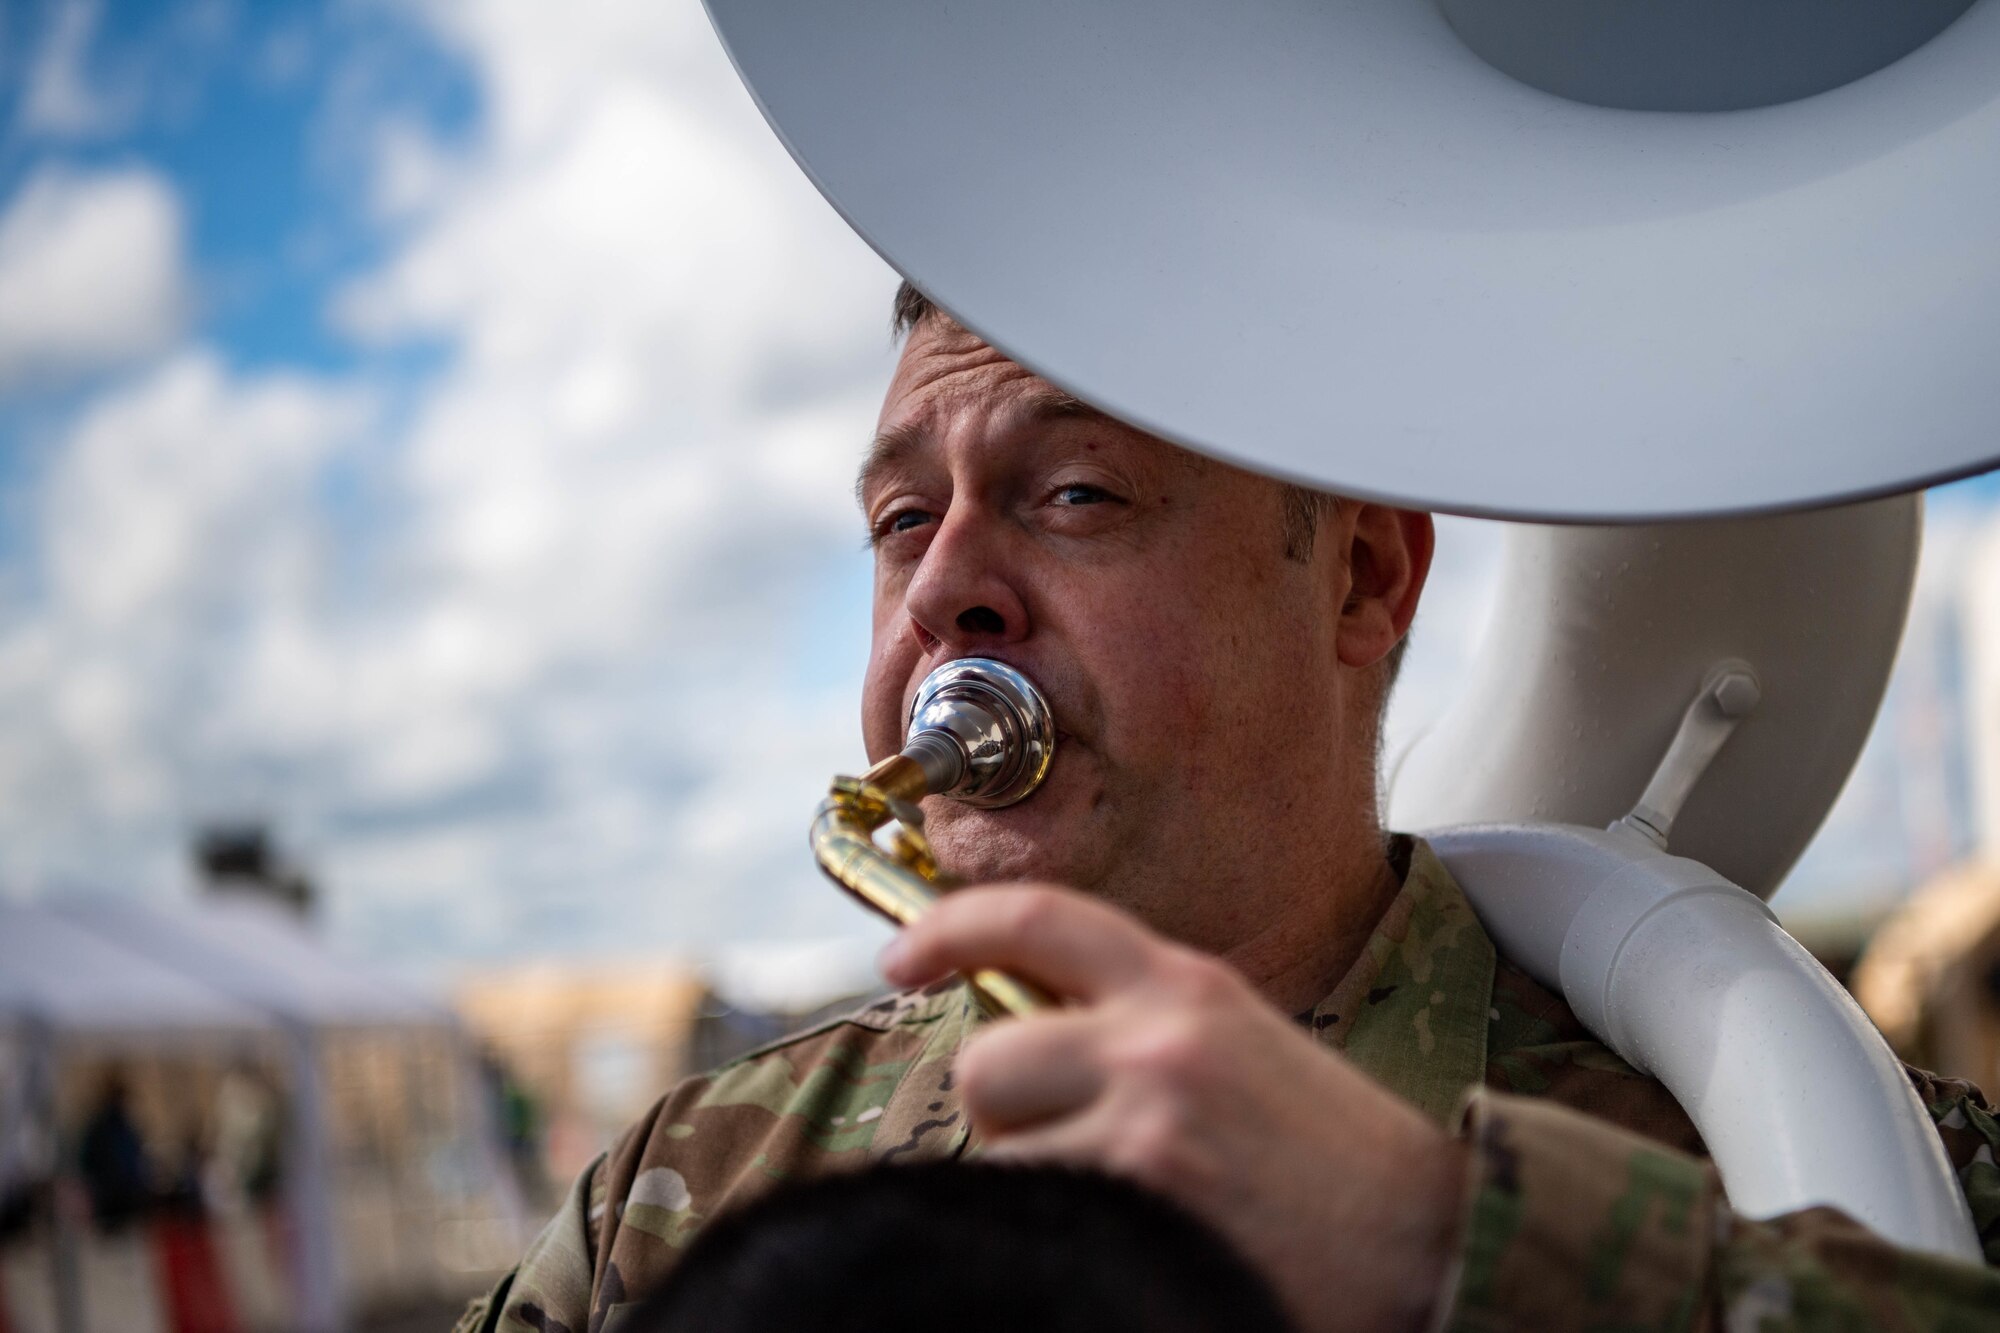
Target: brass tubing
(903, 886)
(1004, 994)
(898, 777)
(846, 851)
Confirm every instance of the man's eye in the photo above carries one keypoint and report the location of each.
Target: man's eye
(1077, 493)
(903, 520)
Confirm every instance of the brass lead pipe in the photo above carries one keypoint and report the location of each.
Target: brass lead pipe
(900, 778)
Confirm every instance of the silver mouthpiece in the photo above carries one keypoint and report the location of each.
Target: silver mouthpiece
(981, 732)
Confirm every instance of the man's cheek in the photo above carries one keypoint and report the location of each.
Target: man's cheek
(1174, 703)
(1155, 733)
(882, 706)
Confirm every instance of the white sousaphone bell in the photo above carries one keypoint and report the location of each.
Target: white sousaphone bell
(1560, 260)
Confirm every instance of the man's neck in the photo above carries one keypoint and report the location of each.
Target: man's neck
(1297, 957)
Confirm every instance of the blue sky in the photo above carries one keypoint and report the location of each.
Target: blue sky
(409, 439)
(427, 427)
(259, 114)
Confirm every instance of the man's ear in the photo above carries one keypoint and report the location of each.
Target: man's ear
(1388, 558)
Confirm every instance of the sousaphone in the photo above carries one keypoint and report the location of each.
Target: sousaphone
(1710, 284)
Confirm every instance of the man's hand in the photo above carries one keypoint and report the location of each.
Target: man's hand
(1166, 1067)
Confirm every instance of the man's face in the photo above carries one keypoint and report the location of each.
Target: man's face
(1194, 669)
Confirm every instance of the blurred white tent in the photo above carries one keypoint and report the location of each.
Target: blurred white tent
(232, 978)
(61, 979)
(259, 954)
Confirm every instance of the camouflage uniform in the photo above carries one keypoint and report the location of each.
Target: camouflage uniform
(1591, 1206)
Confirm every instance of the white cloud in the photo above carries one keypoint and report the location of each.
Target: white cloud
(57, 98)
(176, 521)
(91, 273)
(181, 489)
(567, 678)
(626, 493)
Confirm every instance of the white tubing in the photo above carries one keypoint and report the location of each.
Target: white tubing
(1690, 979)
(1600, 638)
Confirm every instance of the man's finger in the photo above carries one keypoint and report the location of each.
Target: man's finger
(1042, 1068)
(1085, 1140)
(1074, 947)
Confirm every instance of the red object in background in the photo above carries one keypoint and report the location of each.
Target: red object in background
(191, 1278)
(281, 1242)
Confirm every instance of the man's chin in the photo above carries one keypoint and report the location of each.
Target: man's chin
(976, 848)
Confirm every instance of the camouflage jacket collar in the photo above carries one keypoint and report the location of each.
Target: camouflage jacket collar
(1413, 1011)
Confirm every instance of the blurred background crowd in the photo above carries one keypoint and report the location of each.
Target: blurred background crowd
(431, 603)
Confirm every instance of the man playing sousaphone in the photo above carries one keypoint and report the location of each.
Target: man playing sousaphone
(1271, 1010)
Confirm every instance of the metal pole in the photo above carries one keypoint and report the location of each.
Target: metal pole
(65, 1265)
(309, 1153)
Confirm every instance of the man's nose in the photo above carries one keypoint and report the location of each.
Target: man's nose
(963, 595)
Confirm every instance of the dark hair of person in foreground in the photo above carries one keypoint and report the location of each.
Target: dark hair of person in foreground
(963, 1246)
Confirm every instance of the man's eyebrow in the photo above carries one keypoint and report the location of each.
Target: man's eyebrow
(898, 442)
(884, 452)
(1053, 402)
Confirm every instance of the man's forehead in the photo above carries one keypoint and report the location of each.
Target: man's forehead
(920, 431)
(946, 368)
(949, 378)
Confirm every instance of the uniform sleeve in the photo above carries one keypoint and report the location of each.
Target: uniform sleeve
(1576, 1224)
(549, 1291)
